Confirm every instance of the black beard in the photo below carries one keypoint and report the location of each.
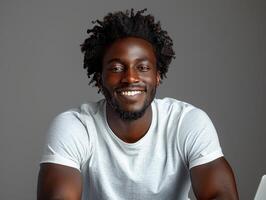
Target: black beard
(126, 115)
(129, 116)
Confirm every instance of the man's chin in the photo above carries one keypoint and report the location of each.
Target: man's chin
(130, 116)
(131, 111)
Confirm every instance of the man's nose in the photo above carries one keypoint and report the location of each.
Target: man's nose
(130, 76)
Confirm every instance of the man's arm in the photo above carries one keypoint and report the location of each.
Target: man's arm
(58, 182)
(214, 180)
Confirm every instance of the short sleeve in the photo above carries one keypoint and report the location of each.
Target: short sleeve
(67, 141)
(198, 139)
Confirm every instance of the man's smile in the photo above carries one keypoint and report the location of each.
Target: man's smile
(130, 93)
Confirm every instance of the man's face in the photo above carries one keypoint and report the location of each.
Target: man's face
(129, 77)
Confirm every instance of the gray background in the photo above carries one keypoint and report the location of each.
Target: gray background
(219, 67)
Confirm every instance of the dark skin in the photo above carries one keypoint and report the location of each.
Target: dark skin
(130, 65)
(130, 77)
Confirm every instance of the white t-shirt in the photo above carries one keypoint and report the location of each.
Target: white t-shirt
(156, 167)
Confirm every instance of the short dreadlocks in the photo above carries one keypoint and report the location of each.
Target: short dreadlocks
(125, 24)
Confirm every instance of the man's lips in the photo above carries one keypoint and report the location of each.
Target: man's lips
(130, 91)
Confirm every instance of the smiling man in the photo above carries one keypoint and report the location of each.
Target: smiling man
(131, 145)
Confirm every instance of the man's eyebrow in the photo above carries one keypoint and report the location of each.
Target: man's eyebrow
(121, 61)
(114, 60)
(142, 59)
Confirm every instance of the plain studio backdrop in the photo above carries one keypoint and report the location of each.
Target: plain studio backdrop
(220, 65)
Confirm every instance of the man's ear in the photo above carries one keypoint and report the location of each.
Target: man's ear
(158, 77)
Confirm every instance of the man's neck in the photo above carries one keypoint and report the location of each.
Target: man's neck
(132, 130)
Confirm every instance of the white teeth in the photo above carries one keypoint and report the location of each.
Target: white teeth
(130, 93)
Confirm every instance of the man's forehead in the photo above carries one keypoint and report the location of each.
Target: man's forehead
(136, 49)
(131, 42)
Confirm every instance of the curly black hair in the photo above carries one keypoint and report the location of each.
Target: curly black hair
(125, 24)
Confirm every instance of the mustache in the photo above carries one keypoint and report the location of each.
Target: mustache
(131, 86)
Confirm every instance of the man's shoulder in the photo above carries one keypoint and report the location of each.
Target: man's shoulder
(83, 111)
(173, 105)
(179, 109)
(92, 108)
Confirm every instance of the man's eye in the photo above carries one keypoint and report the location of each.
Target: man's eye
(143, 68)
(117, 68)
